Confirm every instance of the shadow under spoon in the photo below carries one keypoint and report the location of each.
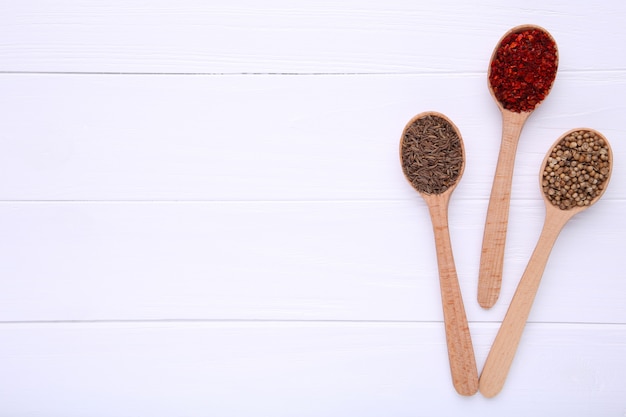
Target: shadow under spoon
(532, 52)
(574, 175)
(432, 156)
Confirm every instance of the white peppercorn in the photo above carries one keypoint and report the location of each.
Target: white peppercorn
(577, 169)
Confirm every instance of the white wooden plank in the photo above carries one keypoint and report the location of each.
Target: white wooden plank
(304, 369)
(368, 260)
(278, 36)
(90, 137)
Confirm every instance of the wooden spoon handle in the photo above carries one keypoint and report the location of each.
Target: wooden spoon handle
(505, 345)
(494, 237)
(458, 338)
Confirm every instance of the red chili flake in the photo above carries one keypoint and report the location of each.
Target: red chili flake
(523, 69)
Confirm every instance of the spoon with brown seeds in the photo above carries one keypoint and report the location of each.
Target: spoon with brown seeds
(574, 175)
(432, 156)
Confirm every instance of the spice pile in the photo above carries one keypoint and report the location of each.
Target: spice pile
(576, 170)
(432, 154)
(523, 69)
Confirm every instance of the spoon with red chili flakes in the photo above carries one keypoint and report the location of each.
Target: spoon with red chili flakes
(521, 73)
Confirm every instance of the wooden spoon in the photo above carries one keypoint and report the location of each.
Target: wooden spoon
(505, 345)
(491, 261)
(434, 171)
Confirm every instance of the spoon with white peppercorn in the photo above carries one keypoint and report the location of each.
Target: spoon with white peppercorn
(433, 159)
(574, 175)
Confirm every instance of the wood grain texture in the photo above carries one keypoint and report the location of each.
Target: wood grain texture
(497, 219)
(494, 237)
(300, 260)
(308, 369)
(131, 137)
(502, 352)
(276, 36)
(458, 337)
(202, 209)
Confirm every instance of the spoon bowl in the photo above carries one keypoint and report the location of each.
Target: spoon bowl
(517, 96)
(558, 214)
(432, 156)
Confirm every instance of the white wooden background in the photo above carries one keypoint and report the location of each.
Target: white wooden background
(203, 214)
